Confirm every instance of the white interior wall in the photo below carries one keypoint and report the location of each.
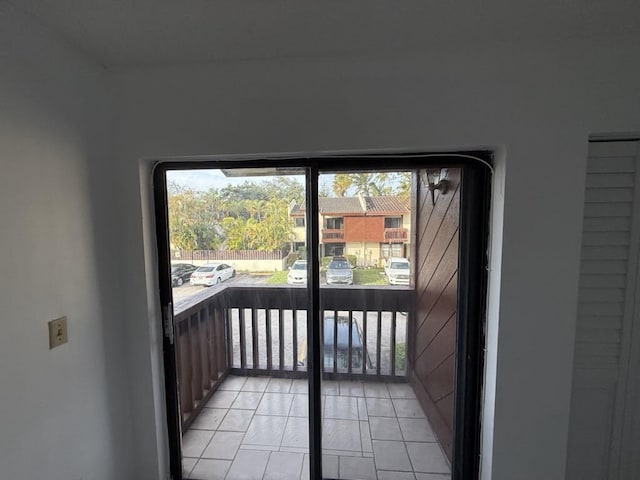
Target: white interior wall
(535, 104)
(63, 412)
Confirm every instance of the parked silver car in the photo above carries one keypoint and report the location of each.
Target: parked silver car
(339, 272)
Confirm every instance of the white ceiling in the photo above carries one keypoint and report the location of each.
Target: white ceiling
(145, 32)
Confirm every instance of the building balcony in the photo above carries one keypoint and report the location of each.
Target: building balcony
(332, 235)
(241, 353)
(396, 234)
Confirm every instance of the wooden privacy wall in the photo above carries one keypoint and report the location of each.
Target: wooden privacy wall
(434, 334)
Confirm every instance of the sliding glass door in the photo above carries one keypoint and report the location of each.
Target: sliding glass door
(304, 306)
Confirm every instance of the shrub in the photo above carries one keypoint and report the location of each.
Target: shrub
(401, 356)
(291, 258)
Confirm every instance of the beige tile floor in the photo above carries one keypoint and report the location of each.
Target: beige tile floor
(257, 428)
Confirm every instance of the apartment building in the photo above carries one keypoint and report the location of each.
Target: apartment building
(373, 228)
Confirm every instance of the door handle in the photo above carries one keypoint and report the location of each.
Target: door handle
(167, 313)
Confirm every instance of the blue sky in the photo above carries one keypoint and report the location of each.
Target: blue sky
(205, 179)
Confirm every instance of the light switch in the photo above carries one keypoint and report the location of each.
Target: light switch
(57, 332)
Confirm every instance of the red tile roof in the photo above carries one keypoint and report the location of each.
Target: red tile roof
(387, 204)
(354, 205)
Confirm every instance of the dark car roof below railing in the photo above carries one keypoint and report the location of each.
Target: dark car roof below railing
(343, 332)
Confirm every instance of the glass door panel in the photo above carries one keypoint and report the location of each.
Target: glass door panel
(367, 279)
(239, 274)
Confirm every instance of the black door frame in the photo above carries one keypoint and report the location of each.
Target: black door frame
(472, 287)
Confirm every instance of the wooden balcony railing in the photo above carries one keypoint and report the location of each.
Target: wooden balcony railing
(396, 234)
(332, 235)
(201, 351)
(261, 330)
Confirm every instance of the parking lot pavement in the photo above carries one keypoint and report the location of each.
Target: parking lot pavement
(186, 290)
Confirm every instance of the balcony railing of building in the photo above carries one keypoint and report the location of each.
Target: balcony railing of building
(332, 235)
(248, 330)
(396, 234)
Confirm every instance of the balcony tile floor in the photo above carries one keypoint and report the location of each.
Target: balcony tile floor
(257, 428)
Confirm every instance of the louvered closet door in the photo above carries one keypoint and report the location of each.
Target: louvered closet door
(605, 310)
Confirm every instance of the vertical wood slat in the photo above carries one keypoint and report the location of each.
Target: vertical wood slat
(196, 378)
(205, 381)
(295, 339)
(393, 343)
(224, 326)
(350, 361)
(243, 333)
(254, 340)
(281, 337)
(217, 362)
(186, 396)
(364, 342)
(212, 338)
(267, 326)
(335, 341)
(378, 341)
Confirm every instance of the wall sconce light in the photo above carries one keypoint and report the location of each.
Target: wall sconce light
(432, 179)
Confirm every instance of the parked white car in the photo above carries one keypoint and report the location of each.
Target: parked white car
(212, 274)
(297, 273)
(397, 271)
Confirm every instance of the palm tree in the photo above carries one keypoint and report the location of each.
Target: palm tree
(361, 182)
(341, 184)
(404, 184)
(255, 208)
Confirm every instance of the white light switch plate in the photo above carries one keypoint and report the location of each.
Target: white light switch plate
(57, 332)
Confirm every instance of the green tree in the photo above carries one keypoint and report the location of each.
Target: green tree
(371, 183)
(324, 190)
(278, 228)
(284, 188)
(272, 230)
(361, 183)
(235, 233)
(255, 208)
(341, 184)
(249, 216)
(379, 184)
(403, 188)
(191, 226)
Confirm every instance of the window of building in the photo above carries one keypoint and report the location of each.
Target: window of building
(393, 222)
(334, 223)
(392, 250)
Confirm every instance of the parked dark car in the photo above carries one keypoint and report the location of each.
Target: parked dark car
(342, 353)
(180, 273)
